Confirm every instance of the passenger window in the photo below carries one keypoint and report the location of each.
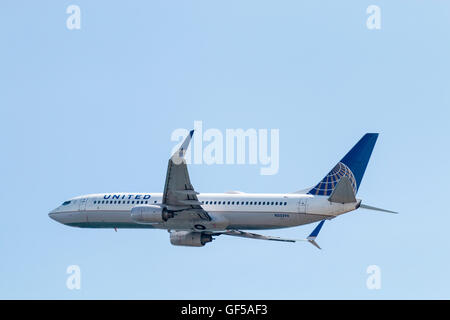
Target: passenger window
(132, 202)
(215, 202)
(276, 203)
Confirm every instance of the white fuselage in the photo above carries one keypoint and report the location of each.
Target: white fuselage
(233, 210)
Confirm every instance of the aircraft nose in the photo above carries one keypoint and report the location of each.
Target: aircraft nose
(54, 215)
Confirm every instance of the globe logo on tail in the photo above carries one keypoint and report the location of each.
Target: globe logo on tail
(327, 185)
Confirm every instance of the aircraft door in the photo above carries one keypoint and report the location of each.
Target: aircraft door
(302, 205)
(83, 203)
(82, 214)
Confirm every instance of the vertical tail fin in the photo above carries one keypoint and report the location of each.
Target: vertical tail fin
(352, 166)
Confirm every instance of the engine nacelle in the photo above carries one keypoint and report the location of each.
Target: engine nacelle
(189, 239)
(150, 214)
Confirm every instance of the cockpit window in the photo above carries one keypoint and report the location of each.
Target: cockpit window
(65, 203)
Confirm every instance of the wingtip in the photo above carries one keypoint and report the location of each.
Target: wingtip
(191, 133)
(314, 243)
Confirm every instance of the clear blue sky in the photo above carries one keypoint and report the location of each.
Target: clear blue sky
(92, 110)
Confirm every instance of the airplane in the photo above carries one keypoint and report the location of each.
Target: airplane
(194, 219)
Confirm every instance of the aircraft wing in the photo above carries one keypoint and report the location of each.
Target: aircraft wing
(237, 233)
(179, 194)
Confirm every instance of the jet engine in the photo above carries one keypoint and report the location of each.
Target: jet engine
(150, 214)
(189, 239)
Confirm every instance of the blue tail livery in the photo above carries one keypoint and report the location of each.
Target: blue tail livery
(352, 166)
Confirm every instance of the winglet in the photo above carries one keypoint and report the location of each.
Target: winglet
(185, 145)
(312, 237)
(178, 156)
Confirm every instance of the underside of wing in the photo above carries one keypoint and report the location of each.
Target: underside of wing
(237, 233)
(179, 194)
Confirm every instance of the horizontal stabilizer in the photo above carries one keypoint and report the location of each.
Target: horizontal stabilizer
(343, 192)
(364, 206)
